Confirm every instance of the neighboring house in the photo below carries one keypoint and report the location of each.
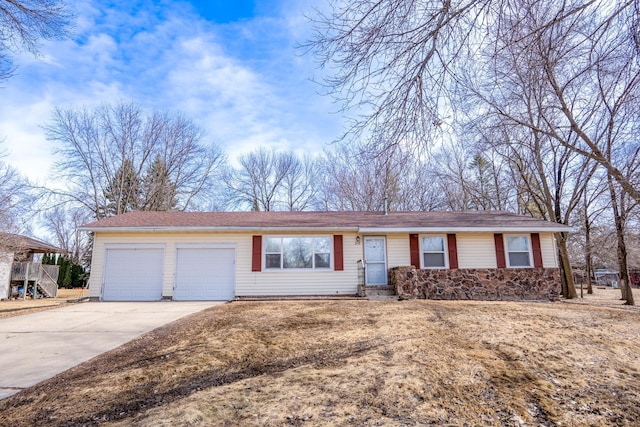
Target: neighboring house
(224, 255)
(634, 277)
(17, 267)
(607, 278)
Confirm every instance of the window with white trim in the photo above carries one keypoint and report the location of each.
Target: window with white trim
(518, 250)
(297, 252)
(434, 252)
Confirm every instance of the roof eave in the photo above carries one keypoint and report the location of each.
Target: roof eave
(501, 229)
(198, 229)
(362, 230)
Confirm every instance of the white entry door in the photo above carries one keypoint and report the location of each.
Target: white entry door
(375, 257)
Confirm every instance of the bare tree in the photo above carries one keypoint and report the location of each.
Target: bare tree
(16, 199)
(104, 155)
(619, 215)
(300, 183)
(391, 60)
(471, 177)
(63, 222)
(358, 179)
(258, 182)
(622, 205)
(401, 64)
(566, 91)
(575, 74)
(592, 209)
(23, 23)
(420, 188)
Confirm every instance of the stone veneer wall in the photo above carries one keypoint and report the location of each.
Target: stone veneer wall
(498, 284)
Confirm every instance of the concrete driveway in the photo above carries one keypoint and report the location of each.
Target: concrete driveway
(37, 346)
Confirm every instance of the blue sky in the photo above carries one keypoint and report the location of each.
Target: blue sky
(234, 70)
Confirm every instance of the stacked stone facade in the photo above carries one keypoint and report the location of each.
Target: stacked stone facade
(497, 284)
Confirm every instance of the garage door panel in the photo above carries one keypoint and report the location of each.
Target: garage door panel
(133, 274)
(205, 274)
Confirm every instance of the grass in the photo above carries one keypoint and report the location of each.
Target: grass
(358, 363)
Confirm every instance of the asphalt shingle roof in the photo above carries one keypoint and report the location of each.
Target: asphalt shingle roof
(445, 220)
(17, 241)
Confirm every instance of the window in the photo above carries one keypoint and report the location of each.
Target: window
(297, 252)
(518, 251)
(434, 252)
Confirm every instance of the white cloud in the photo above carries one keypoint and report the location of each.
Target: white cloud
(243, 83)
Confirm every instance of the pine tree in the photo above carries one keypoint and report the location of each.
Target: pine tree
(76, 275)
(63, 266)
(123, 193)
(158, 190)
(67, 280)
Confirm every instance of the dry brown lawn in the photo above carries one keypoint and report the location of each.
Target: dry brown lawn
(367, 363)
(10, 308)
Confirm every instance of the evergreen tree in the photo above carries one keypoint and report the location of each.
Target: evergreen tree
(76, 275)
(123, 193)
(67, 280)
(158, 190)
(63, 266)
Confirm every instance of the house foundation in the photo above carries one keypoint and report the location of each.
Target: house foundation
(483, 284)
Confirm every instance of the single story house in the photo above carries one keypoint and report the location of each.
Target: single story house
(17, 265)
(148, 256)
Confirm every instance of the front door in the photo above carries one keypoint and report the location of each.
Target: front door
(375, 257)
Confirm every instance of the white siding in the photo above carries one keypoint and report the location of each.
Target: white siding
(398, 252)
(247, 282)
(6, 261)
(476, 250)
(548, 246)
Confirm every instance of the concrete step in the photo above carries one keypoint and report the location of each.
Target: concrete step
(380, 291)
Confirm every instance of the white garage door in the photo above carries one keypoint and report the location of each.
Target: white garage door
(204, 274)
(133, 274)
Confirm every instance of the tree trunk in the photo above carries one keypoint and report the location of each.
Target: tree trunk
(627, 294)
(588, 262)
(568, 287)
(624, 279)
(625, 284)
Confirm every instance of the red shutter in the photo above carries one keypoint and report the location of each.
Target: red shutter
(338, 253)
(414, 250)
(500, 259)
(453, 250)
(256, 255)
(537, 251)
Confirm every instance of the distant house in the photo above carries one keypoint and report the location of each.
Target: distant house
(148, 256)
(634, 277)
(18, 269)
(607, 278)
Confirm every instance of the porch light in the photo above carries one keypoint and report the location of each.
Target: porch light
(357, 240)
